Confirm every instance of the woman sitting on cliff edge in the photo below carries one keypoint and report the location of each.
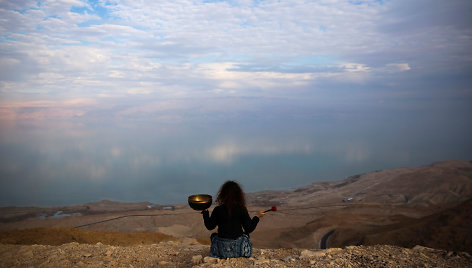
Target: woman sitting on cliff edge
(231, 217)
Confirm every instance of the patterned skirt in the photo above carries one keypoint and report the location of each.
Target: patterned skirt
(230, 248)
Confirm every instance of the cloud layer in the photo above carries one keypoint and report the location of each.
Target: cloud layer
(63, 50)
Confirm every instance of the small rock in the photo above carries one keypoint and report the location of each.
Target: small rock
(163, 263)
(308, 254)
(197, 259)
(261, 261)
(189, 241)
(288, 259)
(210, 260)
(28, 254)
(86, 255)
(419, 248)
(333, 250)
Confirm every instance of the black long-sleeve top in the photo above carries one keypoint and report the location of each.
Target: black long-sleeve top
(230, 225)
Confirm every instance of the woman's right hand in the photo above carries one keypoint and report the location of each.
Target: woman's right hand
(260, 214)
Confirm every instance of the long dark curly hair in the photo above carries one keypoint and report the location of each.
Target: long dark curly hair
(231, 195)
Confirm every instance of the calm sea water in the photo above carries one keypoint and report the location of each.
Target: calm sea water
(61, 162)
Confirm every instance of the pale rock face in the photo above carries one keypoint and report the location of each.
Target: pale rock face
(308, 254)
(197, 259)
(210, 260)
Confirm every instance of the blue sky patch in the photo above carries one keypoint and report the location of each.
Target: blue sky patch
(96, 9)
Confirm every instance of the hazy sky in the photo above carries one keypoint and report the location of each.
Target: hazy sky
(92, 90)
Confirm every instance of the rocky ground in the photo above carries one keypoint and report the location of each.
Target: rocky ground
(188, 253)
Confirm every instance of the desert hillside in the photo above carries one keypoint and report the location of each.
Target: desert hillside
(439, 184)
(449, 229)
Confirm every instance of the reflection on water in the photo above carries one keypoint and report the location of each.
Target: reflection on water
(59, 163)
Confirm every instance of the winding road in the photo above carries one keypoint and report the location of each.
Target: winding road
(324, 239)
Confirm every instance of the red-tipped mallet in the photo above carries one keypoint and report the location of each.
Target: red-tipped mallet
(274, 208)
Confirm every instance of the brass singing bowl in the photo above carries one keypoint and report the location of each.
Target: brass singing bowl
(200, 201)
